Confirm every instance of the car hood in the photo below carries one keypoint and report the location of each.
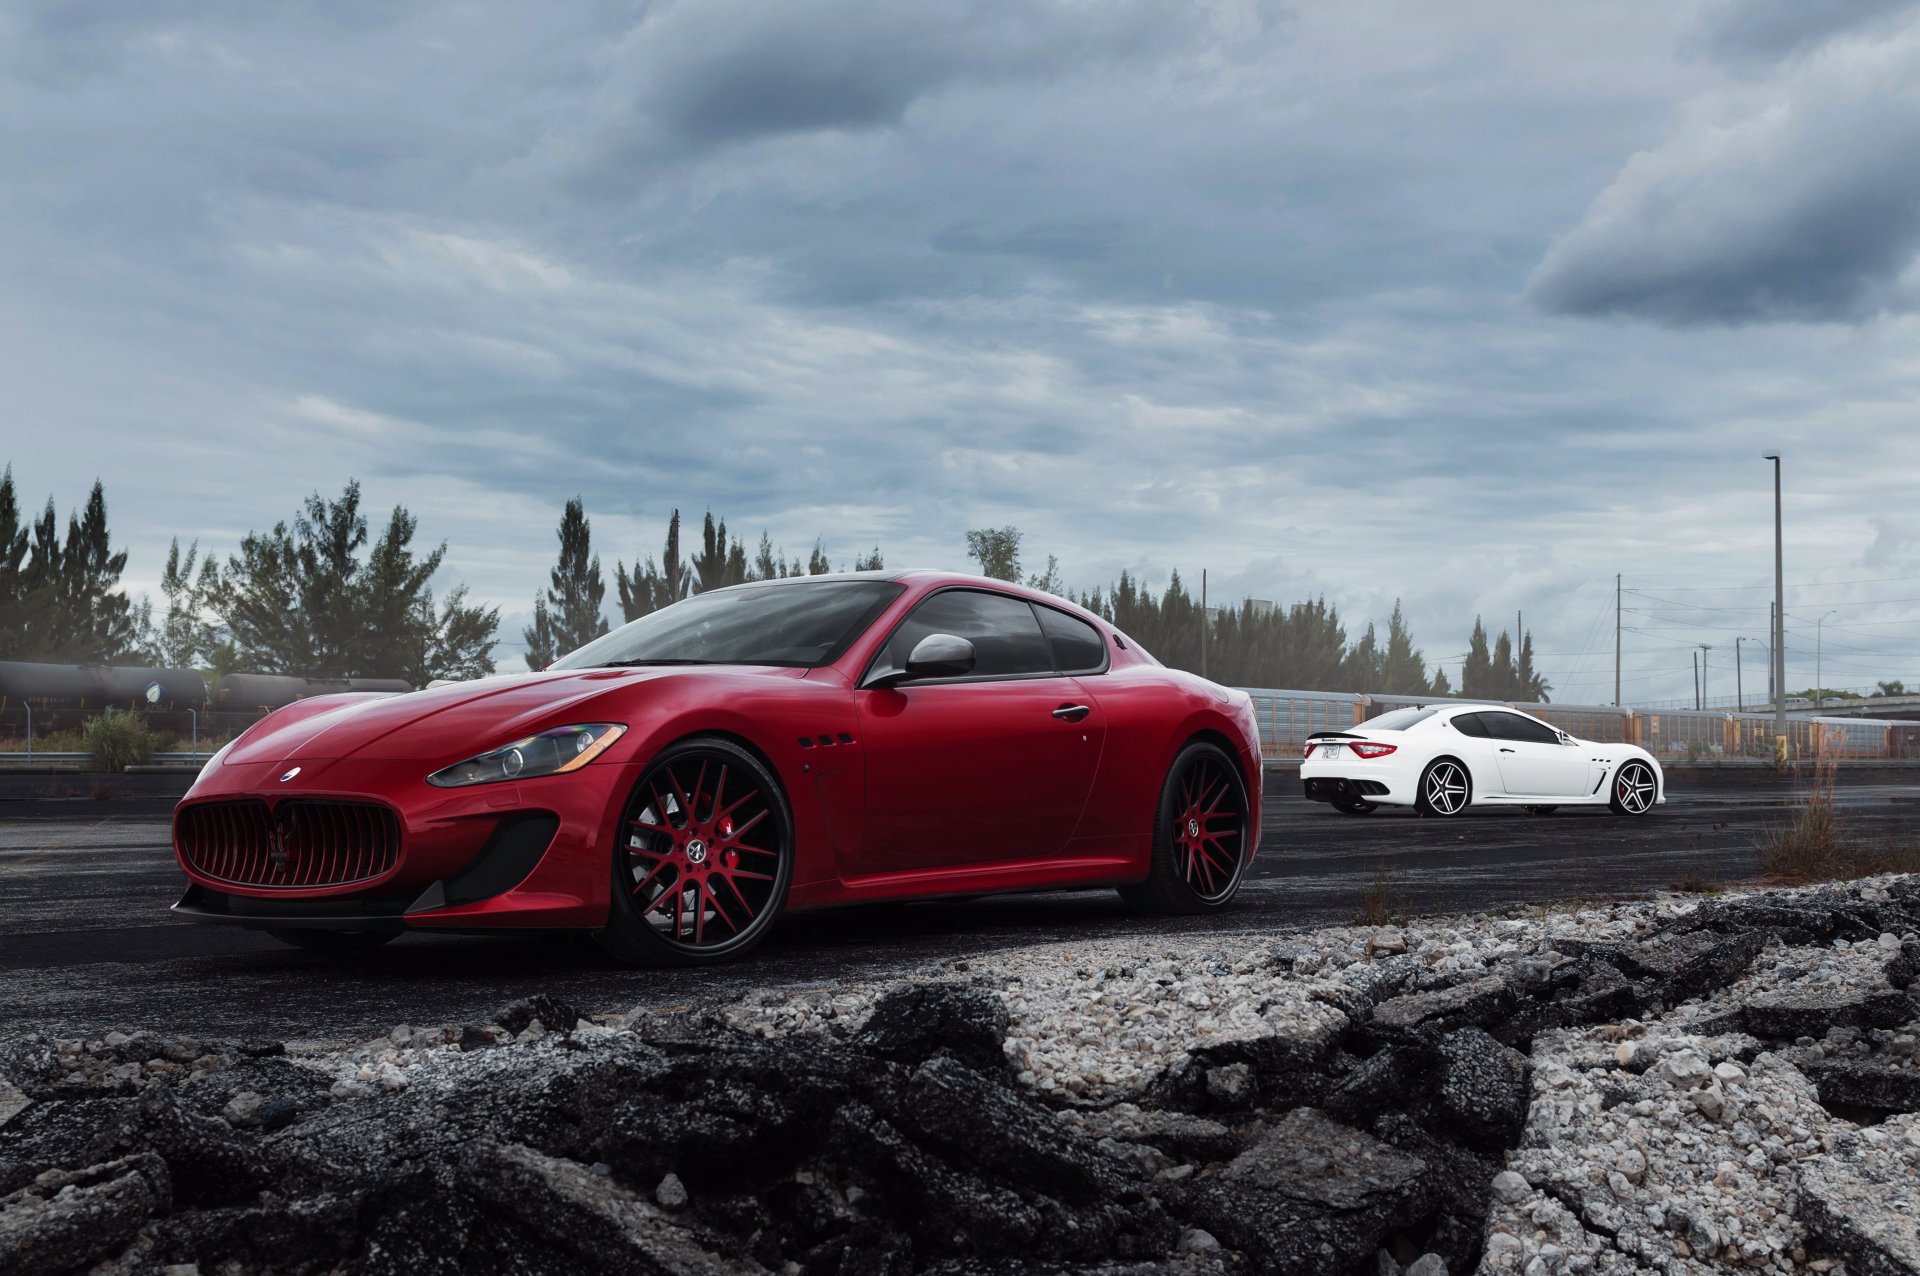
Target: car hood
(456, 719)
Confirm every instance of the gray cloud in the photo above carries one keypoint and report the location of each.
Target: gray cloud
(1165, 286)
(1797, 202)
(1758, 32)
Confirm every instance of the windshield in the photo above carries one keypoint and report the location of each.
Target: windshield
(1399, 719)
(802, 626)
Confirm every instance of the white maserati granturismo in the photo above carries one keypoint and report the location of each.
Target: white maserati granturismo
(1442, 759)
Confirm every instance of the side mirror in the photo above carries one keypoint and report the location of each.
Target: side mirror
(1567, 739)
(935, 656)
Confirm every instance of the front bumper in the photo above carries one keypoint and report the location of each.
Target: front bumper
(532, 854)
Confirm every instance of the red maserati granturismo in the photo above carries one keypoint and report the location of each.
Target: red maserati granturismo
(674, 786)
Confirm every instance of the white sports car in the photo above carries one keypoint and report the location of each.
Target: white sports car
(1442, 759)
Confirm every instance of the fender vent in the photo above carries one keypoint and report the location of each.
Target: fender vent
(825, 741)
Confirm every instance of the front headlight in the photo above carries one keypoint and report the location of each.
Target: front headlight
(552, 752)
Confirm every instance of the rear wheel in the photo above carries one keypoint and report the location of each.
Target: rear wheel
(1445, 788)
(704, 858)
(335, 941)
(1353, 806)
(1199, 835)
(1634, 789)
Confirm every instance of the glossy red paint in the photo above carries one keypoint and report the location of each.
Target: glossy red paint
(959, 787)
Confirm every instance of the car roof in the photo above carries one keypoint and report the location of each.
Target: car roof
(930, 577)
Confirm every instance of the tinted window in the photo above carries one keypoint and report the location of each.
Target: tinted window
(1472, 724)
(1511, 726)
(801, 625)
(1077, 647)
(1006, 638)
(1399, 719)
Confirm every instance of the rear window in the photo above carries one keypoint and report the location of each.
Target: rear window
(1473, 724)
(1399, 719)
(1077, 647)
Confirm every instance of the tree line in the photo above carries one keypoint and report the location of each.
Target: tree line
(321, 593)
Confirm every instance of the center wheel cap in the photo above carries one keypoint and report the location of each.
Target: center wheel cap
(696, 852)
(1193, 828)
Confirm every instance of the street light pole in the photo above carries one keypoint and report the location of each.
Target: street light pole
(1705, 703)
(1819, 685)
(1779, 611)
(1739, 691)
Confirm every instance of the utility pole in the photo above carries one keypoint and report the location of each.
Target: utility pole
(1704, 649)
(1779, 611)
(1696, 677)
(1204, 622)
(1616, 640)
(1739, 691)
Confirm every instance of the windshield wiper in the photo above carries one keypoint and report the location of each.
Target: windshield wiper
(660, 660)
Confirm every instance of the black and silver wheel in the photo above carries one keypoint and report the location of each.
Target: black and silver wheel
(704, 858)
(335, 941)
(1445, 788)
(1634, 789)
(1354, 806)
(1199, 835)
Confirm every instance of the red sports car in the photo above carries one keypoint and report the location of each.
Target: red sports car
(674, 786)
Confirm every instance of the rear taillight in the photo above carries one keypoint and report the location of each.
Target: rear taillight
(1308, 751)
(1372, 750)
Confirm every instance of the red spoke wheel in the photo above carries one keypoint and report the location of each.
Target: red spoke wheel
(1200, 833)
(704, 857)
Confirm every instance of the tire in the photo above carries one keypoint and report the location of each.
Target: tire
(1351, 807)
(703, 860)
(1634, 789)
(1200, 828)
(335, 941)
(1446, 788)
(1542, 810)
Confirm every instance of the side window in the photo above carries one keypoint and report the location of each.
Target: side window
(1471, 724)
(1077, 647)
(1511, 726)
(1006, 638)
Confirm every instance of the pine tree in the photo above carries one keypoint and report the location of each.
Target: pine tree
(569, 615)
(1049, 580)
(817, 564)
(767, 564)
(870, 562)
(719, 563)
(652, 587)
(1502, 678)
(1477, 675)
(186, 636)
(1530, 686)
(20, 604)
(997, 550)
(299, 599)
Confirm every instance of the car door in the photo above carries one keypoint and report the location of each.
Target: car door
(1534, 761)
(996, 765)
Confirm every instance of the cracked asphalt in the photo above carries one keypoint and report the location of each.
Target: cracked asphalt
(87, 944)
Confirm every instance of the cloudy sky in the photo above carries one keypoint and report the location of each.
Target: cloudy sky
(1474, 304)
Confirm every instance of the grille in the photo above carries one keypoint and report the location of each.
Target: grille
(298, 844)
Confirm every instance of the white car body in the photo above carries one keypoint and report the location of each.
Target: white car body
(1509, 759)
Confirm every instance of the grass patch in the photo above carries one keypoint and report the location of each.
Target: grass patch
(1381, 903)
(1813, 846)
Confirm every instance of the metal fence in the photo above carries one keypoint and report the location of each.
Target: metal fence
(1287, 718)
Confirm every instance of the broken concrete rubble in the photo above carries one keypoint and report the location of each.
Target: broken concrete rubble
(1666, 1085)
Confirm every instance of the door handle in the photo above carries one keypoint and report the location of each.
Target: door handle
(1072, 712)
(1506, 750)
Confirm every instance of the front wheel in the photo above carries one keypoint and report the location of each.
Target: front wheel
(704, 856)
(1634, 790)
(1200, 833)
(1445, 788)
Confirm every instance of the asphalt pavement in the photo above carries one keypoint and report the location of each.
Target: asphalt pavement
(87, 944)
